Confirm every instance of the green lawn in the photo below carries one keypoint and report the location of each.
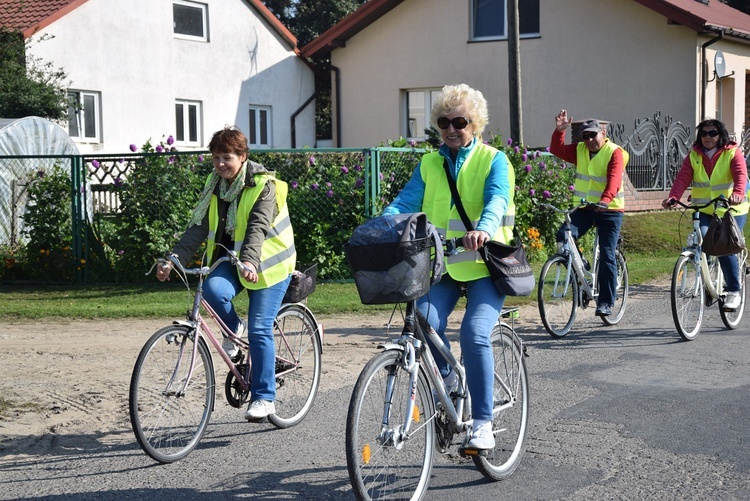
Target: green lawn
(652, 242)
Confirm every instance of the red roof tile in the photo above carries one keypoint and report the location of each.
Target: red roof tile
(29, 16)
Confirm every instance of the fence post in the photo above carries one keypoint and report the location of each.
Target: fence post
(76, 212)
(372, 181)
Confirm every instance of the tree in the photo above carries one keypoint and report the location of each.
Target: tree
(29, 86)
(741, 5)
(306, 20)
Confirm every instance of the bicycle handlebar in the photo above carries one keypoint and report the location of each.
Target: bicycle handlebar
(583, 203)
(174, 260)
(721, 199)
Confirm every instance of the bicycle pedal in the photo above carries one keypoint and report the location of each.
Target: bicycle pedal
(466, 452)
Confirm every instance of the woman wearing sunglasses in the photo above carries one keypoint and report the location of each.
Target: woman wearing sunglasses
(485, 181)
(715, 166)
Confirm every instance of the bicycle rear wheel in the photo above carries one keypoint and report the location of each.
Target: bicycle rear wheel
(688, 297)
(557, 294)
(621, 292)
(732, 319)
(511, 415)
(298, 365)
(169, 414)
(382, 462)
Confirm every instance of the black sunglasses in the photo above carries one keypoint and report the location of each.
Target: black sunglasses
(710, 133)
(458, 123)
(586, 137)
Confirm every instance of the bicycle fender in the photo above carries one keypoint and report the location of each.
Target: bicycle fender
(687, 253)
(390, 347)
(184, 323)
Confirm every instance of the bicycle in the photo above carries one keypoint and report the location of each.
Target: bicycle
(400, 412)
(697, 280)
(566, 282)
(172, 388)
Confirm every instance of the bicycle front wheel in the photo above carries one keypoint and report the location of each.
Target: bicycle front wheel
(510, 416)
(732, 319)
(298, 365)
(171, 398)
(383, 461)
(688, 298)
(557, 295)
(621, 292)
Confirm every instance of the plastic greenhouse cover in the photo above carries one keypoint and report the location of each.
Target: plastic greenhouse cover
(25, 136)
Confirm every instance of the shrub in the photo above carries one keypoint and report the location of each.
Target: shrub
(48, 227)
(156, 202)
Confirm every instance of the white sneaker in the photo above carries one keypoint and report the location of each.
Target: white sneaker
(732, 302)
(259, 409)
(450, 382)
(231, 348)
(482, 437)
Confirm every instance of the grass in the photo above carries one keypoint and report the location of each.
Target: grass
(652, 243)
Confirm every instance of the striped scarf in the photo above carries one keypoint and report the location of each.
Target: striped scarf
(228, 193)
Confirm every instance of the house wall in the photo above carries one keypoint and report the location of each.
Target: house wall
(628, 65)
(127, 51)
(726, 98)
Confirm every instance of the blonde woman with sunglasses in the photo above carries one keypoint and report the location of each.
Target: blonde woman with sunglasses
(485, 181)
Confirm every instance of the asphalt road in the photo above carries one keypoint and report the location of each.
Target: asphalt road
(625, 412)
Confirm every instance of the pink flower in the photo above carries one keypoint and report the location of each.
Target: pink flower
(170, 140)
(329, 193)
(510, 141)
(359, 183)
(159, 148)
(312, 160)
(95, 164)
(314, 186)
(571, 187)
(133, 148)
(528, 167)
(532, 192)
(200, 158)
(546, 194)
(294, 185)
(525, 157)
(344, 170)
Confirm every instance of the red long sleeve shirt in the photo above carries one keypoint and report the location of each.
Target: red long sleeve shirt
(615, 168)
(737, 166)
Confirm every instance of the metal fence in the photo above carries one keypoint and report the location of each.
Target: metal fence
(331, 192)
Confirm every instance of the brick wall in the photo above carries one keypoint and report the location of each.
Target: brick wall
(639, 201)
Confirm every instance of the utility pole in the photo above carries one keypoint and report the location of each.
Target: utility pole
(514, 74)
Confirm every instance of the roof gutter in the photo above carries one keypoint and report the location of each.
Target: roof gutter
(704, 72)
(294, 118)
(337, 72)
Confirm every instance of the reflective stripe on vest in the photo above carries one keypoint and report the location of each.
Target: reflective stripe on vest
(278, 256)
(436, 203)
(721, 182)
(591, 174)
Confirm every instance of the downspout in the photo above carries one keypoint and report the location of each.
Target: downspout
(294, 118)
(338, 106)
(704, 72)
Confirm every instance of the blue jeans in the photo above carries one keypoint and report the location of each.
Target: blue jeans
(608, 224)
(729, 264)
(219, 290)
(483, 307)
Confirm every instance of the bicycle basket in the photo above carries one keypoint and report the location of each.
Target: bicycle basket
(394, 258)
(301, 285)
(391, 272)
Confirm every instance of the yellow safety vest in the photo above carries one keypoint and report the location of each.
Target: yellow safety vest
(278, 255)
(467, 265)
(721, 182)
(591, 174)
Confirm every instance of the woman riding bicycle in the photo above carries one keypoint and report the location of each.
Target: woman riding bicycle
(715, 166)
(486, 182)
(243, 208)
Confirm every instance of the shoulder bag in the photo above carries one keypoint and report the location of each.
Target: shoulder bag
(724, 237)
(510, 270)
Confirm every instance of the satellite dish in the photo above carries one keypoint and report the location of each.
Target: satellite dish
(720, 67)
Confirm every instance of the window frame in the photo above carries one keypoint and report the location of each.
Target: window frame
(204, 20)
(522, 4)
(185, 130)
(82, 117)
(255, 129)
(429, 93)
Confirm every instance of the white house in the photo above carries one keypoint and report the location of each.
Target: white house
(146, 69)
(617, 60)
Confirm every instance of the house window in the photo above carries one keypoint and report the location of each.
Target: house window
(188, 122)
(190, 20)
(418, 108)
(489, 19)
(83, 116)
(260, 126)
